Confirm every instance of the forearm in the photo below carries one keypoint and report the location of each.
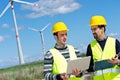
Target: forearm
(50, 76)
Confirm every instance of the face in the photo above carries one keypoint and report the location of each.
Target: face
(61, 38)
(97, 32)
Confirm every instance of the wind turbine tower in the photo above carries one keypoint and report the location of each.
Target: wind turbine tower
(41, 35)
(20, 53)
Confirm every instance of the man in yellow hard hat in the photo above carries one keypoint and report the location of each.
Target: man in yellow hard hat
(101, 49)
(55, 61)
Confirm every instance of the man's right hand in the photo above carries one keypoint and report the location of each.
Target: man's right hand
(64, 76)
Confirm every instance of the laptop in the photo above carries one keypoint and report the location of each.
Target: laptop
(80, 63)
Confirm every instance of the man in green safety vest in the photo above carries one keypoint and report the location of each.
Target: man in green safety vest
(103, 48)
(55, 61)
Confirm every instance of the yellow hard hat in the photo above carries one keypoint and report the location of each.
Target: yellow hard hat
(97, 20)
(59, 26)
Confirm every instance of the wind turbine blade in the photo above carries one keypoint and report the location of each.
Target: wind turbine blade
(34, 29)
(24, 2)
(45, 27)
(9, 4)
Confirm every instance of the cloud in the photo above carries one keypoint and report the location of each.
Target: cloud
(19, 28)
(51, 7)
(15, 61)
(5, 25)
(83, 48)
(113, 34)
(2, 38)
(10, 62)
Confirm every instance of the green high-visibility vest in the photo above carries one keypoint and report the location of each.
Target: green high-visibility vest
(108, 53)
(60, 64)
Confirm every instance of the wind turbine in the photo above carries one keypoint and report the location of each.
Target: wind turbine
(41, 35)
(21, 59)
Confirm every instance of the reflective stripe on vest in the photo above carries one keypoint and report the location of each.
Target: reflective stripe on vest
(100, 72)
(60, 63)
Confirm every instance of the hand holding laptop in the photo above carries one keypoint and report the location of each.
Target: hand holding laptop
(76, 72)
(78, 65)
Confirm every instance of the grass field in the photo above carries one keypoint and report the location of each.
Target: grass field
(30, 71)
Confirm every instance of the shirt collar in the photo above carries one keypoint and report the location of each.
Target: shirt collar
(103, 39)
(59, 48)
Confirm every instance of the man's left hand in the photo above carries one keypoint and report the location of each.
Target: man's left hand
(114, 60)
(76, 72)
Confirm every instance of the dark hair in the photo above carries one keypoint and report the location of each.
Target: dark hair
(56, 33)
(102, 26)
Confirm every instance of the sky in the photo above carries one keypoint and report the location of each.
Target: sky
(75, 14)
